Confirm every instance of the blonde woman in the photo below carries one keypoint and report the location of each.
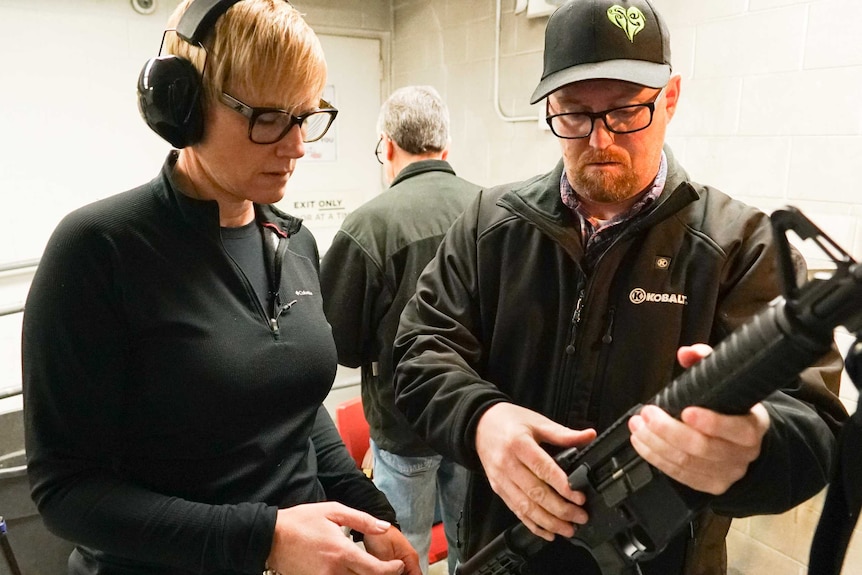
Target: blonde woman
(175, 349)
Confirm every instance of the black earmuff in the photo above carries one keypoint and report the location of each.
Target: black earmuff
(169, 87)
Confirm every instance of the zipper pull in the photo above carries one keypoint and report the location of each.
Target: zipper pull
(608, 338)
(284, 308)
(273, 322)
(579, 306)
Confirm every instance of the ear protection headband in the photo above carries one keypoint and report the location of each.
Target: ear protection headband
(169, 87)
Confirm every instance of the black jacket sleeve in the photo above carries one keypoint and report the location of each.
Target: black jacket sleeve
(341, 479)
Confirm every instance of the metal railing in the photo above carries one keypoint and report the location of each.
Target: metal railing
(10, 268)
(10, 391)
(11, 309)
(19, 265)
(13, 269)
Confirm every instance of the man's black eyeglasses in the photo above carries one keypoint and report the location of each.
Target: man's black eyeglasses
(269, 125)
(377, 150)
(622, 120)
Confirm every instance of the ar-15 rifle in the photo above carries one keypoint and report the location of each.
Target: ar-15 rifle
(634, 509)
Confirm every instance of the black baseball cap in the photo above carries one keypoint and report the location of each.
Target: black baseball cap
(613, 39)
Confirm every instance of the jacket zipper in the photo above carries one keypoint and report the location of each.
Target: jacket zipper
(576, 319)
(563, 391)
(250, 291)
(276, 307)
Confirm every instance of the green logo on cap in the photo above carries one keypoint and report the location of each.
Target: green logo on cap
(631, 21)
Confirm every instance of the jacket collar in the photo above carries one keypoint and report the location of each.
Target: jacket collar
(538, 201)
(422, 167)
(541, 194)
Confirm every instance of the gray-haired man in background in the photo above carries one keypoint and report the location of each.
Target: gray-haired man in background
(368, 275)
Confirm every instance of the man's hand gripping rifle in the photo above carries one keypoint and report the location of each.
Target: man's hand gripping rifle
(634, 509)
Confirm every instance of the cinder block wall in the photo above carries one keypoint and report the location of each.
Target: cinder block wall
(350, 15)
(770, 114)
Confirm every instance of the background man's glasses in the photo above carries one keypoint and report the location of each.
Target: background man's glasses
(377, 150)
(269, 125)
(622, 120)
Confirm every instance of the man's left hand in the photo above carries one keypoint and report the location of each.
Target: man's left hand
(705, 450)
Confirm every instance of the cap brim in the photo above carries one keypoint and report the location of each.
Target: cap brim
(640, 72)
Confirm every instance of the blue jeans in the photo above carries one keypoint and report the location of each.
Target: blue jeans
(414, 487)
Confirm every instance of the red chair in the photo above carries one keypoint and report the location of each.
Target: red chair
(351, 424)
(353, 428)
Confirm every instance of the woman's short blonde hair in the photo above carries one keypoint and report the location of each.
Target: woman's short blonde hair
(260, 47)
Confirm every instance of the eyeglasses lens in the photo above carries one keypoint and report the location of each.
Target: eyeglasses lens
(270, 127)
(315, 126)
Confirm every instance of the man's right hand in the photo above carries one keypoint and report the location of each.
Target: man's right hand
(524, 475)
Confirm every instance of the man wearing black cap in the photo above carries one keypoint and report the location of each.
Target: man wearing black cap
(556, 304)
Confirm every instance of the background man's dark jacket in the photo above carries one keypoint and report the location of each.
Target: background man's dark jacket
(369, 273)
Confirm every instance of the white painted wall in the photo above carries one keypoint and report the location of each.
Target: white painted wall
(70, 131)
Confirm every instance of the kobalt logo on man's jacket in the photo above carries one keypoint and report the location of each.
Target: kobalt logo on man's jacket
(640, 295)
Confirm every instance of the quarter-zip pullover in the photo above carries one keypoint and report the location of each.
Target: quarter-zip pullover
(169, 414)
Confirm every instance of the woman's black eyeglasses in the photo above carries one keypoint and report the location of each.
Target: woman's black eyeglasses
(269, 125)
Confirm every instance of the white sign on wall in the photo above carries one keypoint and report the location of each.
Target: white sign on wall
(340, 172)
(320, 210)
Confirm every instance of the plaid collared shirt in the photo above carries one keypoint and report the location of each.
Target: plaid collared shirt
(597, 234)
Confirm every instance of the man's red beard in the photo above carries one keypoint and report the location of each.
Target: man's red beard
(602, 186)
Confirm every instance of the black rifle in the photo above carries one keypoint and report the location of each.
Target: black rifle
(634, 509)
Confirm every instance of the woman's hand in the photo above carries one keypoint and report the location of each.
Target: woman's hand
(391, 544)
(309, 540)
